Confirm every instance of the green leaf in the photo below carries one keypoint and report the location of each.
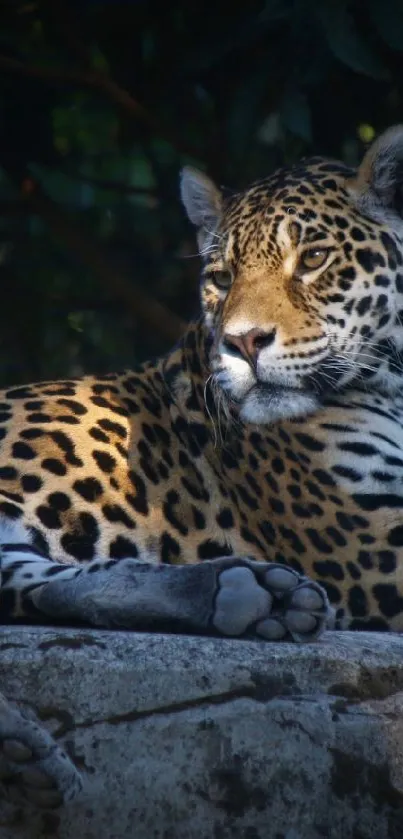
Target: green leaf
(84, 125)
(98, 60)
(296, 115)
(62, 144)
(75, 321)
(345, 42)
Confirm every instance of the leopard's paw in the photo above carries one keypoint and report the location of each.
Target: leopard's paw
(269, 601)
(31, 758)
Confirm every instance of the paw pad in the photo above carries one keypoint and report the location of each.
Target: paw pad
(272, 602)
(16, 751)
(281, 579)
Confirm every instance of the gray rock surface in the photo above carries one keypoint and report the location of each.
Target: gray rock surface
(198, 738)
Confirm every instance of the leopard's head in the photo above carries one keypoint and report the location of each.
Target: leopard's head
(302, 281)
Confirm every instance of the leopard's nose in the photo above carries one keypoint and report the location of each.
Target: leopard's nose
(250, 343)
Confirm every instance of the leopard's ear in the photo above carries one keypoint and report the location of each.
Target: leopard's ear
(378, 186)
(202, 201)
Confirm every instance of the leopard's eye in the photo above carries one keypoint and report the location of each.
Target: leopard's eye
(222, 279)
(313, 258)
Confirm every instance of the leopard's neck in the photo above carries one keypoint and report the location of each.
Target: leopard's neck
(185, 371)
(186, 374)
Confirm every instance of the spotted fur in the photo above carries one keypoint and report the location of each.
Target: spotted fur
(273, 430)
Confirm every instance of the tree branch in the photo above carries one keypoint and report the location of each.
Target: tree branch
(98, 81)
(108, 184)
(88, 78)
(50, 74)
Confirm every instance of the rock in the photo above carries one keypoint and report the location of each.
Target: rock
(201, 738)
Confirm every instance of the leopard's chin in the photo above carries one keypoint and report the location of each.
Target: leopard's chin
(266, 404)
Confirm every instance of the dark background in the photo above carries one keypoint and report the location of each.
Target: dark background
(102, 102)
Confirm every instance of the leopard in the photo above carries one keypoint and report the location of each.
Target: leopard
(249, 483)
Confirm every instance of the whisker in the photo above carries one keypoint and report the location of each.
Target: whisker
(210, 379)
